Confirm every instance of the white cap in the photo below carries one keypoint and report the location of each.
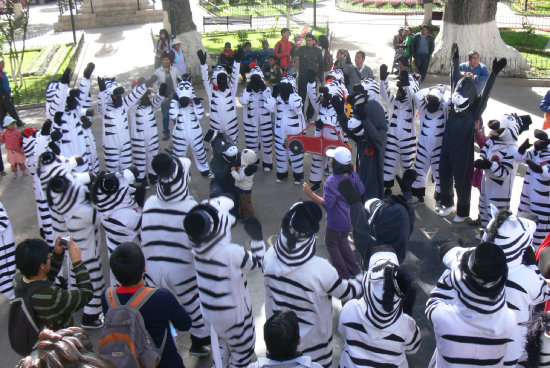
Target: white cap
(340, 154)
(175, 41)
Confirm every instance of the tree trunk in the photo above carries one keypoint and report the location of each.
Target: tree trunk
(471, 24)
(186, 30)
(428, 6)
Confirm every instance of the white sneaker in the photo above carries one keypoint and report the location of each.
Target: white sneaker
(459, 219)
(279, 180)
(446, 211)
(267, 169)
(438, 206)
(297, 182)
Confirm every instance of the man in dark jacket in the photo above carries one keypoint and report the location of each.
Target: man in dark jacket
(310, 57)
(6, 101)
(423, 47)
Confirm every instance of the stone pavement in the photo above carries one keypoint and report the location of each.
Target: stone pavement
(126, 52)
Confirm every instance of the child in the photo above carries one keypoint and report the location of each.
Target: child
(282, 337)
(249, 56)
(275, 73)
(244, 176)
(338, 215)
(16, 154)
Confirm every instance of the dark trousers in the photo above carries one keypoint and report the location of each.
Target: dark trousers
(165, 108)
(7, 107)
(422, 62)
(341, 255)
(244, 68)
(1, 162)
(302, 91)
(457, 165)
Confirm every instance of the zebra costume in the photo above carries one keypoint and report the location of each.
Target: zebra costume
(498, 164)
(538, 341)
(7, 254)
(56, 94)
(433, 105)
(298, 280)
(91, 146)
(113, 197)
(525, 287)
(326, 115)
(401, 141)
(378, 333)
(74, 215)
(535, 197)
(166, 247)
(472, 324)
(144, 135)
(117, 148)
(288, 106)
(372, 88)
(221, 98)
(221, 268)
(337, 76)
(186, 111)
(258, 128)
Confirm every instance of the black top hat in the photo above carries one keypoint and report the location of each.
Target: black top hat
(485, 269)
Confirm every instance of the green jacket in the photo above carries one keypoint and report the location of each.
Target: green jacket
(409, 42)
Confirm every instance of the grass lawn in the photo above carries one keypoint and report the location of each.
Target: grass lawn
(540, 65)
(214, 42)
(28, 58)
(536, 40)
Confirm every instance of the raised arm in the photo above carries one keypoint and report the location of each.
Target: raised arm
(498, 65)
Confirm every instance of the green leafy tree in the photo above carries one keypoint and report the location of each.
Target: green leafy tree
(13, 28)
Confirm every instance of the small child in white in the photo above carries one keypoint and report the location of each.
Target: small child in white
(244, 178)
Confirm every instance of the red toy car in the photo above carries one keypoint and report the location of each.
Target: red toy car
(300, 143)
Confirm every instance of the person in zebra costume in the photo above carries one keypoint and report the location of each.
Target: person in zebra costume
(289, 120)
(378, 329)
(367, 127)
(186, 110)
(34, 143)
(7, 254)
(91, 145)
(534, 198)
(472, 323)
(221, 268)
(336, 76)
(113, 108)
(258, 128)
(433, 106)
(56, 94)
(75, 216)
(296, 279)
(525, 287)
(497, 160)
(401, 141)
(457, 148)
(144, 134)
(327, 115)
(117, 202)
(166, 246)
(221, 94)
(538, 341)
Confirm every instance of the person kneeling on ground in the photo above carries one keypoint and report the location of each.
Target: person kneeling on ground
(162, 308)
(282, 337)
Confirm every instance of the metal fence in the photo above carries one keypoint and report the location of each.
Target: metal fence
(386, 6)
(528, 5)
(36, 92)
(305, 18)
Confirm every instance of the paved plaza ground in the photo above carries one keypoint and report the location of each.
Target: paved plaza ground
(126, 52)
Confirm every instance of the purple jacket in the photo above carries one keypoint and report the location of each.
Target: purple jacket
(338, 217)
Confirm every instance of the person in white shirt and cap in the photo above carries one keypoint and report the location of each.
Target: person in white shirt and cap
(176, 56)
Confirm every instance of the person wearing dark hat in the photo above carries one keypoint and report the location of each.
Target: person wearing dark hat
(472, 322)
(263, 55)
(227, 56)
(297, 279)
(222, 268)
(166, 246)
(338, 213)
(526, 287)
(117, 202)
(73, 214)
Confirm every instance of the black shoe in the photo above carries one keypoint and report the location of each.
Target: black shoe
(92, 322)
(205, 173)
(419, 200)
(476, 222)
(315, 187)
(199, 350)
(19, 123)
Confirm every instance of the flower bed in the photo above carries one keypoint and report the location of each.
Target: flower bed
(541, 7)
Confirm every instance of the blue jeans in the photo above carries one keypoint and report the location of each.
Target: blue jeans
(165, 108)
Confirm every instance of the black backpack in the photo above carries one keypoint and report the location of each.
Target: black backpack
(23, 327)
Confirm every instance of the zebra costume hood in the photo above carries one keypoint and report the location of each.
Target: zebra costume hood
(296, 243)
(173, 174)
(290, 80)
(56, 96)
(507, 130)
(63, 193)
(538, 341)
(185, 89)
(464, 95)
(511, 233)
(111, 191)
(209, 224)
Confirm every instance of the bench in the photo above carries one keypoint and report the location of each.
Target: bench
(229, 20)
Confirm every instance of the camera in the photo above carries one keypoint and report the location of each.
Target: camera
(64, 241)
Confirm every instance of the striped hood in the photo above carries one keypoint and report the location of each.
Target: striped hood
(208, 224)
(506, 130)
(65, 194)
(112, 191)
(56, 95)
(382, 310)
(49, 166)
(511, 233)
(372, 88)
(289, 79)
(185, 89)
(173, 174)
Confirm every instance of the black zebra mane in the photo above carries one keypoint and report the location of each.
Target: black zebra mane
(500, 218)
(533, 346)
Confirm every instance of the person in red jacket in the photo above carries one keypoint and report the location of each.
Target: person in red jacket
(283, 49)
(12, 138)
